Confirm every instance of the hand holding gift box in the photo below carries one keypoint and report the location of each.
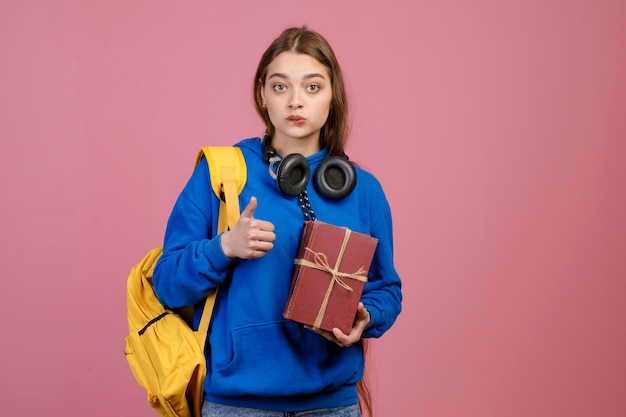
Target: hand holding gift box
(331, 270)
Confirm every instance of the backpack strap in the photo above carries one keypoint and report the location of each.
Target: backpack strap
(227, 168)
(228, 177)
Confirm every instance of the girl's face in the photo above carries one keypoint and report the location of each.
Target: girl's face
(297, 93)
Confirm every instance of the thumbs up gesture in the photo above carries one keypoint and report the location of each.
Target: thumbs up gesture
(250, 238)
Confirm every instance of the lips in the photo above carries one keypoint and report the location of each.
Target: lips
(296, 119)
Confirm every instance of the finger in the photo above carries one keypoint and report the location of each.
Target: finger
(362, 315)
(255, 254)
(360, 321)
(264, 238)
(324, 333)
(249, 210)
(342, 339)
(256, 235)
(263, 246)
(264, 226)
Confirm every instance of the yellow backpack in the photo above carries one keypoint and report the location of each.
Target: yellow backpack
(165, 355)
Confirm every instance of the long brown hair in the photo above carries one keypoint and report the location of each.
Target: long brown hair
(302, 40)
(362, 387)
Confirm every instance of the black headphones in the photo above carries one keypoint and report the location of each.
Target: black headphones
(334, 178)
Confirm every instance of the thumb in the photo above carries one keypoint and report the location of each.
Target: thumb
(249, 210)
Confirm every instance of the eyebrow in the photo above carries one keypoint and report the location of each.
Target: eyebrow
(286, 77)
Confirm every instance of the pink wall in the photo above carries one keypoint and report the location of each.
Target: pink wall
(497, 128)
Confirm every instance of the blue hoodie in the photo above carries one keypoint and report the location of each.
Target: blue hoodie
(256, 358)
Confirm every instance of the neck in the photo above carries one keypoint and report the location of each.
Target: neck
(303, 146)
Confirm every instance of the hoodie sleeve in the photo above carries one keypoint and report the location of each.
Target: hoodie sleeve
(192, 262)
(382, 295)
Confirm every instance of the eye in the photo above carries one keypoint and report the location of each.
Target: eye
(312, 88)
(279, 88)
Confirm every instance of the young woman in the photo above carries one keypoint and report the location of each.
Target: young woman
(258, 363)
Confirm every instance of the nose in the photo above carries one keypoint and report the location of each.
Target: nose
(294, 102)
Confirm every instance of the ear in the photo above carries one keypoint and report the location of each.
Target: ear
(261, 94)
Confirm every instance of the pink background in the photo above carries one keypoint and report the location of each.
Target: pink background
(498, 129)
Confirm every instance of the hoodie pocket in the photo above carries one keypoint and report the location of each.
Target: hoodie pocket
(283, 359)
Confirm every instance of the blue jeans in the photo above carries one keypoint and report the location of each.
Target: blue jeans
(217, 410)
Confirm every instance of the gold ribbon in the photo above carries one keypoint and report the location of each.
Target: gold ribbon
(321, 263)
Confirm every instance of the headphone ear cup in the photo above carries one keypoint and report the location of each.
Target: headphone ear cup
(292, 174)
(335, 178)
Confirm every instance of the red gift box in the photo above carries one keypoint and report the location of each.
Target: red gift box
(330, 272)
